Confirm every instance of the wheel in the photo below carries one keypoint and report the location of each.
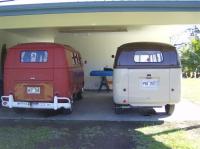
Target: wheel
(118, 109)
(74, 97)
(169, 109)
(19, 110)
(67, 111)
(79, 95)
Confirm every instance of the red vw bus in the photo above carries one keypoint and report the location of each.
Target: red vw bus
(42, 76)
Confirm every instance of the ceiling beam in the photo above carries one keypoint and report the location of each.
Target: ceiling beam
(98, 19)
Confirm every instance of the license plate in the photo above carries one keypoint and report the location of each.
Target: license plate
(33, 90)
(34, 103)
(149, 83)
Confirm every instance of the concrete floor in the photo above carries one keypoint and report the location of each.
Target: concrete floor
(99, 106)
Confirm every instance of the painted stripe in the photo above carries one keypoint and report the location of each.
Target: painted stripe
(6, 1)
(105, 6)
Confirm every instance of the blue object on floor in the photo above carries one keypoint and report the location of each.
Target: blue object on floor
(101, 73)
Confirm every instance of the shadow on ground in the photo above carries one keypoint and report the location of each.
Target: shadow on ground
(94, 106)
(77, 135)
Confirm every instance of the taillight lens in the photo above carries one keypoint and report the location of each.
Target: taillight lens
(62, 101)
(5, 98)
(124, 101)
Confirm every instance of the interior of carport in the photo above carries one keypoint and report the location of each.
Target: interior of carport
(96, 35)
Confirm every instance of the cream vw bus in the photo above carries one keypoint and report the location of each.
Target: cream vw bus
(146, 74)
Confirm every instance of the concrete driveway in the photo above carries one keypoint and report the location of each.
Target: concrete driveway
(99, 106)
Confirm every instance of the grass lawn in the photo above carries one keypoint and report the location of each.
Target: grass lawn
(191, 90)
(99, 135)
(182, 135)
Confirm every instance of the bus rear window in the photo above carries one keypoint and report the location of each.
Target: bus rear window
(37, 56)
(148, 57)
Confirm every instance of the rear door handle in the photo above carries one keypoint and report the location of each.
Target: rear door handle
(148, 76)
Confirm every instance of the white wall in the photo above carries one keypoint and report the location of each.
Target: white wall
(97, 48)
(13, 37)
(2, 40)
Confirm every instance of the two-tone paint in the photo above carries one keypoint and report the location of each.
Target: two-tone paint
(128, 90)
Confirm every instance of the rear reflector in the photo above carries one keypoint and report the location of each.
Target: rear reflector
(4, 103)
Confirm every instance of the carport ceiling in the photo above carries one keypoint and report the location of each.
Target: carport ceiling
(92, 29)
(53, 31)
(83, 20)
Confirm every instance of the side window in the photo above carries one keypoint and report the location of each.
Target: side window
(79, 59)
(76, 59)
(148, 57)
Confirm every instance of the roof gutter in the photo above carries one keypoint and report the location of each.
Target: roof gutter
(104, 6)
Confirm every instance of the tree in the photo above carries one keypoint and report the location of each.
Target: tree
(190, 57)
(196, 48)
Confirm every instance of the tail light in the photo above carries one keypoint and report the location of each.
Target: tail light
(5, 99)
(124, 101)
(62, 101)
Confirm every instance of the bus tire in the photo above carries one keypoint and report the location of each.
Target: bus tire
(19, 110)
(169, 109)
(67, 111)
(79, 95)
(118, 109)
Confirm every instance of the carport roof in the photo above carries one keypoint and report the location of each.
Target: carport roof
(83, 6)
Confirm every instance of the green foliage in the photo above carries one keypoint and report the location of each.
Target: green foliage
(27, 137)
(190, 57)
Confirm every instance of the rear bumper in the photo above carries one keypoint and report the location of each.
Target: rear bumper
(145, 104)
(8, 101)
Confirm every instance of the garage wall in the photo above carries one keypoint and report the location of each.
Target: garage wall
(97, 48)
(2, 39)
(11, 38)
